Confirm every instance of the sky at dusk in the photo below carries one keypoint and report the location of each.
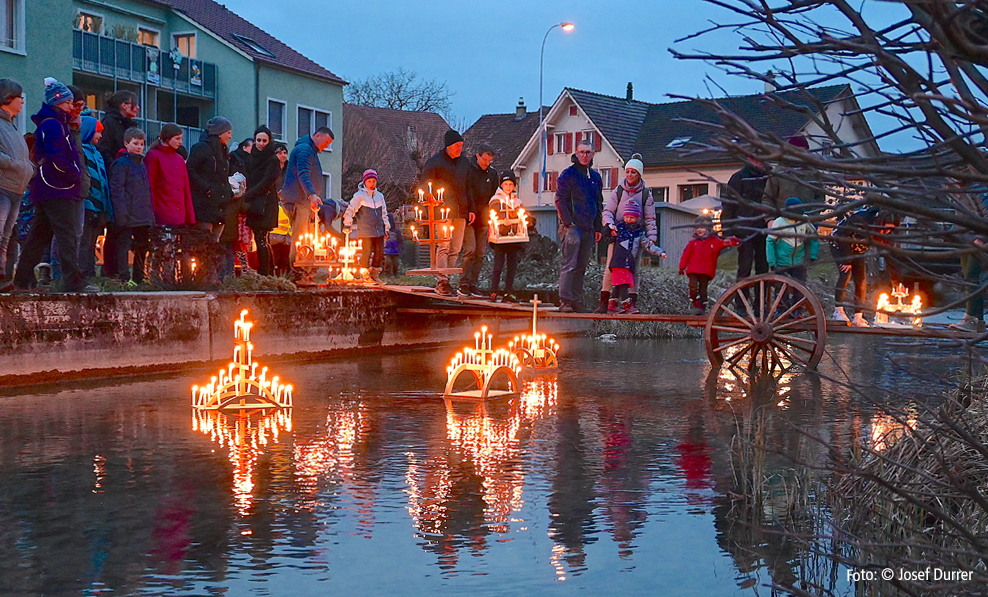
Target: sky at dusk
(488, 53)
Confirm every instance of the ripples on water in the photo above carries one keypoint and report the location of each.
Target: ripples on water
(611, 478)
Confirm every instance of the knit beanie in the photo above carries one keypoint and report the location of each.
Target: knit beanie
(633, 208)
(508, 175)
(369, 174)
(452, 137)
(168, 131)
(703, 222)
(218, 125)
(636, 165)
(793, 201)
(56, 92)
(799, 141)
(266, 131)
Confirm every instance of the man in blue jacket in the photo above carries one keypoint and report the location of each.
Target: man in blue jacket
(579, 197)
(304, 186)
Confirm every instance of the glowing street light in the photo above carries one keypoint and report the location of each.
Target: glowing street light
(542, 140)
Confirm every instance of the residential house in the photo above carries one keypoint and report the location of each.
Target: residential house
(620, 127)
(394, 143)
(188, 60)
(507, 134)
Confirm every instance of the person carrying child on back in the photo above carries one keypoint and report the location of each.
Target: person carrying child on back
(133, 208)
(370, 212)
(630, 240)
(699, 260)
(505, 205)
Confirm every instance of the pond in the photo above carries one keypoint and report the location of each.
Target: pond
(612, 477)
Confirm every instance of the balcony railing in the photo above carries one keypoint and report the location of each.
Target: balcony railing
(153, 127)
(120, 59)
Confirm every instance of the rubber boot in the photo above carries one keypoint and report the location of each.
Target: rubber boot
(605, 296)
(613, 306)
(375, 275)
(628, 306)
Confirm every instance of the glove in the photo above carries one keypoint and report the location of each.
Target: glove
(682, 272)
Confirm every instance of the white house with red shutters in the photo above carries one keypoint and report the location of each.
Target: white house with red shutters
(666, 136)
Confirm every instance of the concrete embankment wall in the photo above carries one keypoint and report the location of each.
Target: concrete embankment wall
(47, 339)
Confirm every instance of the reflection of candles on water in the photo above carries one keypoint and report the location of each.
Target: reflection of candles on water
(246, 435)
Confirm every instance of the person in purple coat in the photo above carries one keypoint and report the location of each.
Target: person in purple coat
(56, 192)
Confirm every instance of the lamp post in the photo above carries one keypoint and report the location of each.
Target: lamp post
(542, 137)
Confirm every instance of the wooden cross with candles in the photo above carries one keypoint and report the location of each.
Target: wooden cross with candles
(537, 351)
(436, 229)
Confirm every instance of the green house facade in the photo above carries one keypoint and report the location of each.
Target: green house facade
(187, 60)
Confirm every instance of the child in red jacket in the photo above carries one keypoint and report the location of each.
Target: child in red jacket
(699, 260)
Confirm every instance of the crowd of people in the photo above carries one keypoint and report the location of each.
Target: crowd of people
(75, 179)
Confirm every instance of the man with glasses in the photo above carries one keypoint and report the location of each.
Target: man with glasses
(579, 197)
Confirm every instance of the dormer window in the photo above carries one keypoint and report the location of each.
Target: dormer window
(253, 45)
(678, 142)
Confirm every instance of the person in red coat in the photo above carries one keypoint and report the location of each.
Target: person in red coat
(171, 193)
(699, 260)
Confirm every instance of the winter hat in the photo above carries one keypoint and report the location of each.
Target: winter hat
(77, 94)
(636, 165)
(509, 175)
(56, 92)
(88, 127)
(793, 201)
(452, 137)
(168, 131)
(703, 222)
(369, 174)
(218, 125)
(799, 141)
(632, 208)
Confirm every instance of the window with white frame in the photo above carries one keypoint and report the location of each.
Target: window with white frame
(276, 118)
(186, 44)
(605, 178)
(587, 136)
(311, 119)
(327, 179)
(559, 142)
(147, 37)
(12, 25)
(89, 22)
(660, 194)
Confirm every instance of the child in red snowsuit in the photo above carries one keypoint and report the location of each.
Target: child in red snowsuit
(699, 260)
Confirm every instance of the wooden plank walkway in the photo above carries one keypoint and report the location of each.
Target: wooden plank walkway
(478, 307)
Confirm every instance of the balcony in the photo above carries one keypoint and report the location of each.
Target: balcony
(119, 59)
(153, 127)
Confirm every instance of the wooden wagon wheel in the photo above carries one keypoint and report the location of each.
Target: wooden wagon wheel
(304, 253)
(766, 322)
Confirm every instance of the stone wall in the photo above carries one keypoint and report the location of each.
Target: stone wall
(47, 339)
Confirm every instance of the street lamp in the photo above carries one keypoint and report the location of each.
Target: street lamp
(542, 137)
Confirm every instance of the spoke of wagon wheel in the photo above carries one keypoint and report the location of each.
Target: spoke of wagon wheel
(792, 323)
(790, 354)
(747, 305)
(796, 340)
(723, 347)
(729, 329)
(801, 301)
(761, 299)
(736, 316)
(734, 359)
(778, 298)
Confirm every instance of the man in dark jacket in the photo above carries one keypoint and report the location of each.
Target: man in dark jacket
(745, 218)
(55, 193)
(304, 188)
(579, 201)
(121, 110)
(482, 183)
(209, 171)
(447, 170)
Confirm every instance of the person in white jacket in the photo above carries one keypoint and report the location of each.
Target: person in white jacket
(369, 213)
(631, 189)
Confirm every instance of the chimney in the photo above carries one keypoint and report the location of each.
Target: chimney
(770, 81)
(631, 92)
(521, 111)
